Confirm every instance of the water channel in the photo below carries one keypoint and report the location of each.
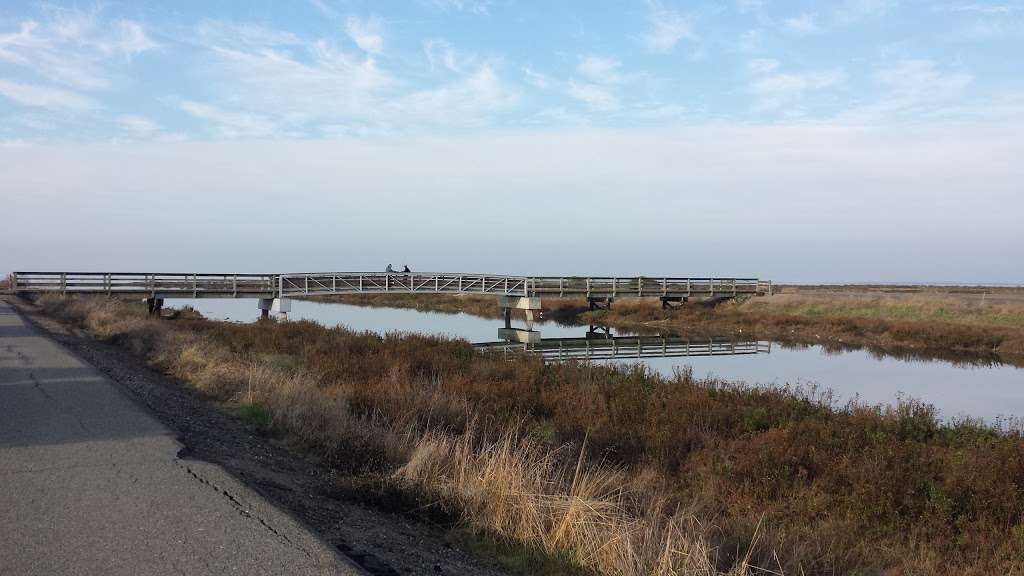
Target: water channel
(982, 391)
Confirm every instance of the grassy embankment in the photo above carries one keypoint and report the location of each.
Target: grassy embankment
(929, 323)
(622, 471)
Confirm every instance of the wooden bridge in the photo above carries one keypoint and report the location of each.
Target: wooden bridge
(274, 290)
(164, 285)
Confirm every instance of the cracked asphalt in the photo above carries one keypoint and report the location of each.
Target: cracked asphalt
(90, 483)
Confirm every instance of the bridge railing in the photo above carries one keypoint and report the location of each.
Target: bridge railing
(616, 286)
(407, 282)
(592, 286)
(196, 285)
(147, 284)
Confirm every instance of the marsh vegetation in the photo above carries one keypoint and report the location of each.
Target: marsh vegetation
(617, 469)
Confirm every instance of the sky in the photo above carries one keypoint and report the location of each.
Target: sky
(856, 140)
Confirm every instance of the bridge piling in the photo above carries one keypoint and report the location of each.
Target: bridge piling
(668, 302)
(528, 304)
(279, 306)
(155, 306)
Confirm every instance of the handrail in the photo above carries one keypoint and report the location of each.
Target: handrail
(239, 285)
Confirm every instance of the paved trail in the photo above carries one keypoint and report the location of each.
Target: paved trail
(91, 484)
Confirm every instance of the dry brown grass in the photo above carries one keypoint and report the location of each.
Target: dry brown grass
(619, 469)
(946, 323)
(519, 489)
(921, 324)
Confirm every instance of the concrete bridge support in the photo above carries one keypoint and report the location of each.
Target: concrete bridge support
(279, 306)
(528, 304)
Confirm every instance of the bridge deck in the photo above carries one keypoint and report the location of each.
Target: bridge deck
(176, 285)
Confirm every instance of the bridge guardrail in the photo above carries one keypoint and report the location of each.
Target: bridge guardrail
(190, 285)
(588, 286)
(200, 285)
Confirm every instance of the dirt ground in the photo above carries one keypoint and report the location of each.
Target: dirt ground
(382, 543)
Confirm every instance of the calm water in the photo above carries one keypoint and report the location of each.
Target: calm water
(979, 391)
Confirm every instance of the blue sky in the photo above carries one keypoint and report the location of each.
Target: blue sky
(672, 120)
(325, 68)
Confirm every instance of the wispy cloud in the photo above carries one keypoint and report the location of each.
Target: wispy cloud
(852, 11)
(232, 124)
(597, 97)
(46, 97)
(599, 69)
(666, 29)
(466, 101)
(312, 86)
(472, 6)
(77, 50)
(747, 6)
(597, 88)
(911, 87)
(750, 41)
(803, 24)
(981, 21)
(977, 8)
(366, 33)
(773, 89)
(138, 125)
(441, 54)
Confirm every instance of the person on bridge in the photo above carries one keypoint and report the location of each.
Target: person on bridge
(406, 269)
(389, 269)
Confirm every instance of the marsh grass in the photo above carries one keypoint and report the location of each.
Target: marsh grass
(618, 470)
(930, 323)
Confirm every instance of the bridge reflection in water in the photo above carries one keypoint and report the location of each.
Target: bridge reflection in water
(600, 344)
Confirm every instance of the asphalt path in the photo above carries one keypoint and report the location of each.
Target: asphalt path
(90, 483)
